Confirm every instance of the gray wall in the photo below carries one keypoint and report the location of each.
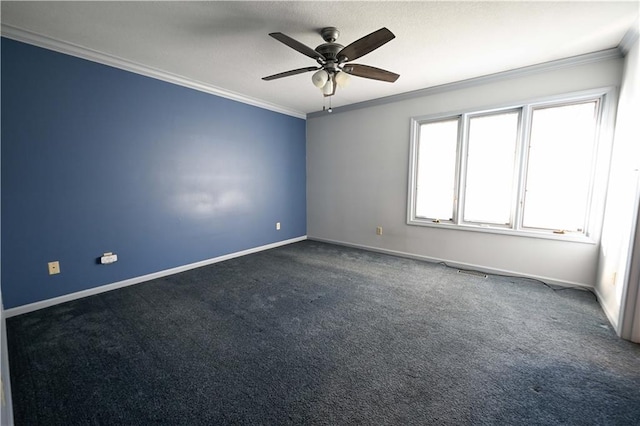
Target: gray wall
(622, 194)
(619, 273)
(357, 171)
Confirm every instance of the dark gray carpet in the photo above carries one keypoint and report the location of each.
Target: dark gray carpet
(313, 333)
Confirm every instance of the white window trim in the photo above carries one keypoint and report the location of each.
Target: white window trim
(602, 158)
(463, 160)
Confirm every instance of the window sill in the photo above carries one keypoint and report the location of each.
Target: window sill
(547, 235)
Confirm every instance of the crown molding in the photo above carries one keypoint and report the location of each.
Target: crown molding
(78, 51)
(603, 55)
(630, 37)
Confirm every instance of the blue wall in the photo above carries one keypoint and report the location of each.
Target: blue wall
(97, 159)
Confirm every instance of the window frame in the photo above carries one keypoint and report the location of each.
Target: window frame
(602, 146)
(414, 164)
(464, 162)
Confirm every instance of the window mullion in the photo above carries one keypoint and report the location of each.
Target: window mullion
(413, 170)
(461, 172)
(521, 169)
(596, 147)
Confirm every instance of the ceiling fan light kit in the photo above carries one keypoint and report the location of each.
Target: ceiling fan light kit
(334, 68)
(342, 79)
(320, 78)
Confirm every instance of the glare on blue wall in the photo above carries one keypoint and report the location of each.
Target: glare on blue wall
(96, 159)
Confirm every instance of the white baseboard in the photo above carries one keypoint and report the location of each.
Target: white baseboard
(19, 310)
(461, 265)
(136, 280)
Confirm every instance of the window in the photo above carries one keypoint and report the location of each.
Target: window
(528, 169)
(437, 169)
(491, 156)
(561, 150)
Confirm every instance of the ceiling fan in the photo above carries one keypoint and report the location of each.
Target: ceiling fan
(334, 59)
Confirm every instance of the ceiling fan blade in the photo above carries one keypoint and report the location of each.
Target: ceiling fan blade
(366, 44)
(288, 73)
(370, 72)
(295, 44)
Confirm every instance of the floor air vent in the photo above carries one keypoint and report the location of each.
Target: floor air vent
(474, 273)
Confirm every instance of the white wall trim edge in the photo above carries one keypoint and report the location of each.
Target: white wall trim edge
(613, 320)
(455, 264)
(629, 38)
(19, 310)
(78, 51)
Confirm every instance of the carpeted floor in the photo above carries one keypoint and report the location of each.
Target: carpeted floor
(313, 333)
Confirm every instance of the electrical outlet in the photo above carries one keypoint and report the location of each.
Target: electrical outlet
(379, 230)
(54, 267)
(277, 226)
(108, 258)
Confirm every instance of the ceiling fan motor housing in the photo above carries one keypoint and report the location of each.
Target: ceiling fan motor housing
(330, 52)
(330, 49)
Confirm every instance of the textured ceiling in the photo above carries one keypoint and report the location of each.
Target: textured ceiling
(226, 44)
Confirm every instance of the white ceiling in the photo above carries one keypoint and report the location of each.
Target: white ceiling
(226, 44)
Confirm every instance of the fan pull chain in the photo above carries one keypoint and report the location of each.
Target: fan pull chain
(324, 104)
